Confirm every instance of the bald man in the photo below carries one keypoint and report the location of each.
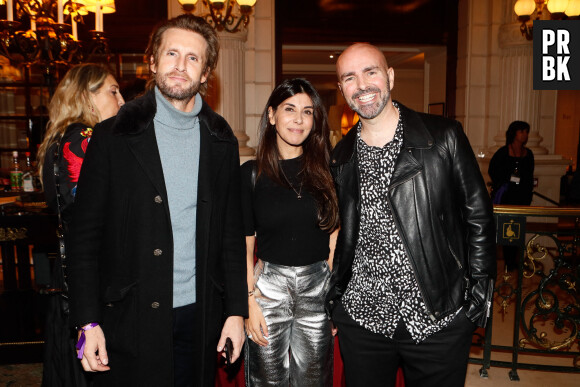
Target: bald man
(414, 265)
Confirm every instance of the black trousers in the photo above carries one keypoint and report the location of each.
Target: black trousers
(372, 359)
(185, 320)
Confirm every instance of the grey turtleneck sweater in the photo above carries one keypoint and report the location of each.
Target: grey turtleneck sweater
(178, 139)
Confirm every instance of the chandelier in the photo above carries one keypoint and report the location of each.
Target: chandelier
(40, 36)
(224, 15)
(558, 10)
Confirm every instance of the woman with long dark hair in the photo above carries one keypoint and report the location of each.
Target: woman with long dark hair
(291, 215)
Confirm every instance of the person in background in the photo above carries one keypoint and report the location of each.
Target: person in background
(156, 271)
(414, 264)
(511, 170)
(87, 95)
(291, 213)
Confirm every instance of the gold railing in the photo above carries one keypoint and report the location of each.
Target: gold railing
(543, 294)
(537, 211)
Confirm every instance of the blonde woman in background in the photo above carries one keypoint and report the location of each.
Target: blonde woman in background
(87, 95)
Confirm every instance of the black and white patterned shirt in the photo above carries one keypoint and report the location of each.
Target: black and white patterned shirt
(383, 288)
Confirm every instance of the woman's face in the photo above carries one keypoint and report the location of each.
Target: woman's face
(107, 99)
(293, 120)
(522, 136)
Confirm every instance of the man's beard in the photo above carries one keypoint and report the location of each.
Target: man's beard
(176, 93)
(370, 111)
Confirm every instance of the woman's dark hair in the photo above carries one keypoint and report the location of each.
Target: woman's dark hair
(510, 134)
(316, 151)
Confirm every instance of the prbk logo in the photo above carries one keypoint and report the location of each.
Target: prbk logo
(556, 55)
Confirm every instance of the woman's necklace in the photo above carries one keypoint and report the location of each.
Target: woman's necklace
(298, 193)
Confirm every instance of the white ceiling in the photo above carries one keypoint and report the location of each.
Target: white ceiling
(315, 62)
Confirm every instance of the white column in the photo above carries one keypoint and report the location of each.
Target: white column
(518, 99)
(227, 93)
(260, 55)
(230, 74)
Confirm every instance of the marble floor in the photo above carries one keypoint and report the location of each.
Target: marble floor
(498, 377)
(20, 375)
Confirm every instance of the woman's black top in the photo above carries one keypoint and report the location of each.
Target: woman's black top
(286, 227)
(506, 169)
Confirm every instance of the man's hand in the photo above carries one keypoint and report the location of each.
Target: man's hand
(95, 342)
(234, 329)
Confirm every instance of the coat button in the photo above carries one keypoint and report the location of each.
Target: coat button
(331, 302)
(155, 305)
(157, 252)
(158, 199)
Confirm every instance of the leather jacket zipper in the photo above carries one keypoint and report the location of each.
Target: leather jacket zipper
(398, 227)
(454, 256)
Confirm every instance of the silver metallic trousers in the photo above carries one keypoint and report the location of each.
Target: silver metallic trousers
(300, 343)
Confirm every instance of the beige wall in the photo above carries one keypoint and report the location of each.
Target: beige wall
(409, 89)
(260, 65)
(494, 88)
(568, 124)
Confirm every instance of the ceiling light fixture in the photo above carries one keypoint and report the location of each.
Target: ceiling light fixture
(223, 15)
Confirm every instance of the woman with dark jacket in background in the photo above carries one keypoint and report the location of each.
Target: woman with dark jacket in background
(512, 168)
(512, 176)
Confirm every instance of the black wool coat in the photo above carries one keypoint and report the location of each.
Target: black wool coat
(120, 251)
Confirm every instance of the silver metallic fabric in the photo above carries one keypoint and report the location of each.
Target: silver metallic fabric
(300, 342)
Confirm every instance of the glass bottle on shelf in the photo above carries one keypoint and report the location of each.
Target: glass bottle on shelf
(15, 174)
(28, 176)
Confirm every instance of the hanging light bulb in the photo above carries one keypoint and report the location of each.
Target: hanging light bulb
(557, 6)
(525, 8)
(188, 5)
(573, 9)
(228, 15)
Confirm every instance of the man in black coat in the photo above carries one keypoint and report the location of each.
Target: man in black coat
(414, 264)
(157, 269)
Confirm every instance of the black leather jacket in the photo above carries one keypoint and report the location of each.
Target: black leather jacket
(441, 209)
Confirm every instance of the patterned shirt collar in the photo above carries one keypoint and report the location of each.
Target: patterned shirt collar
(393, 145)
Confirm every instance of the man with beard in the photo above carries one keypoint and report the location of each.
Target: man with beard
(157, 268)
(414, 264)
